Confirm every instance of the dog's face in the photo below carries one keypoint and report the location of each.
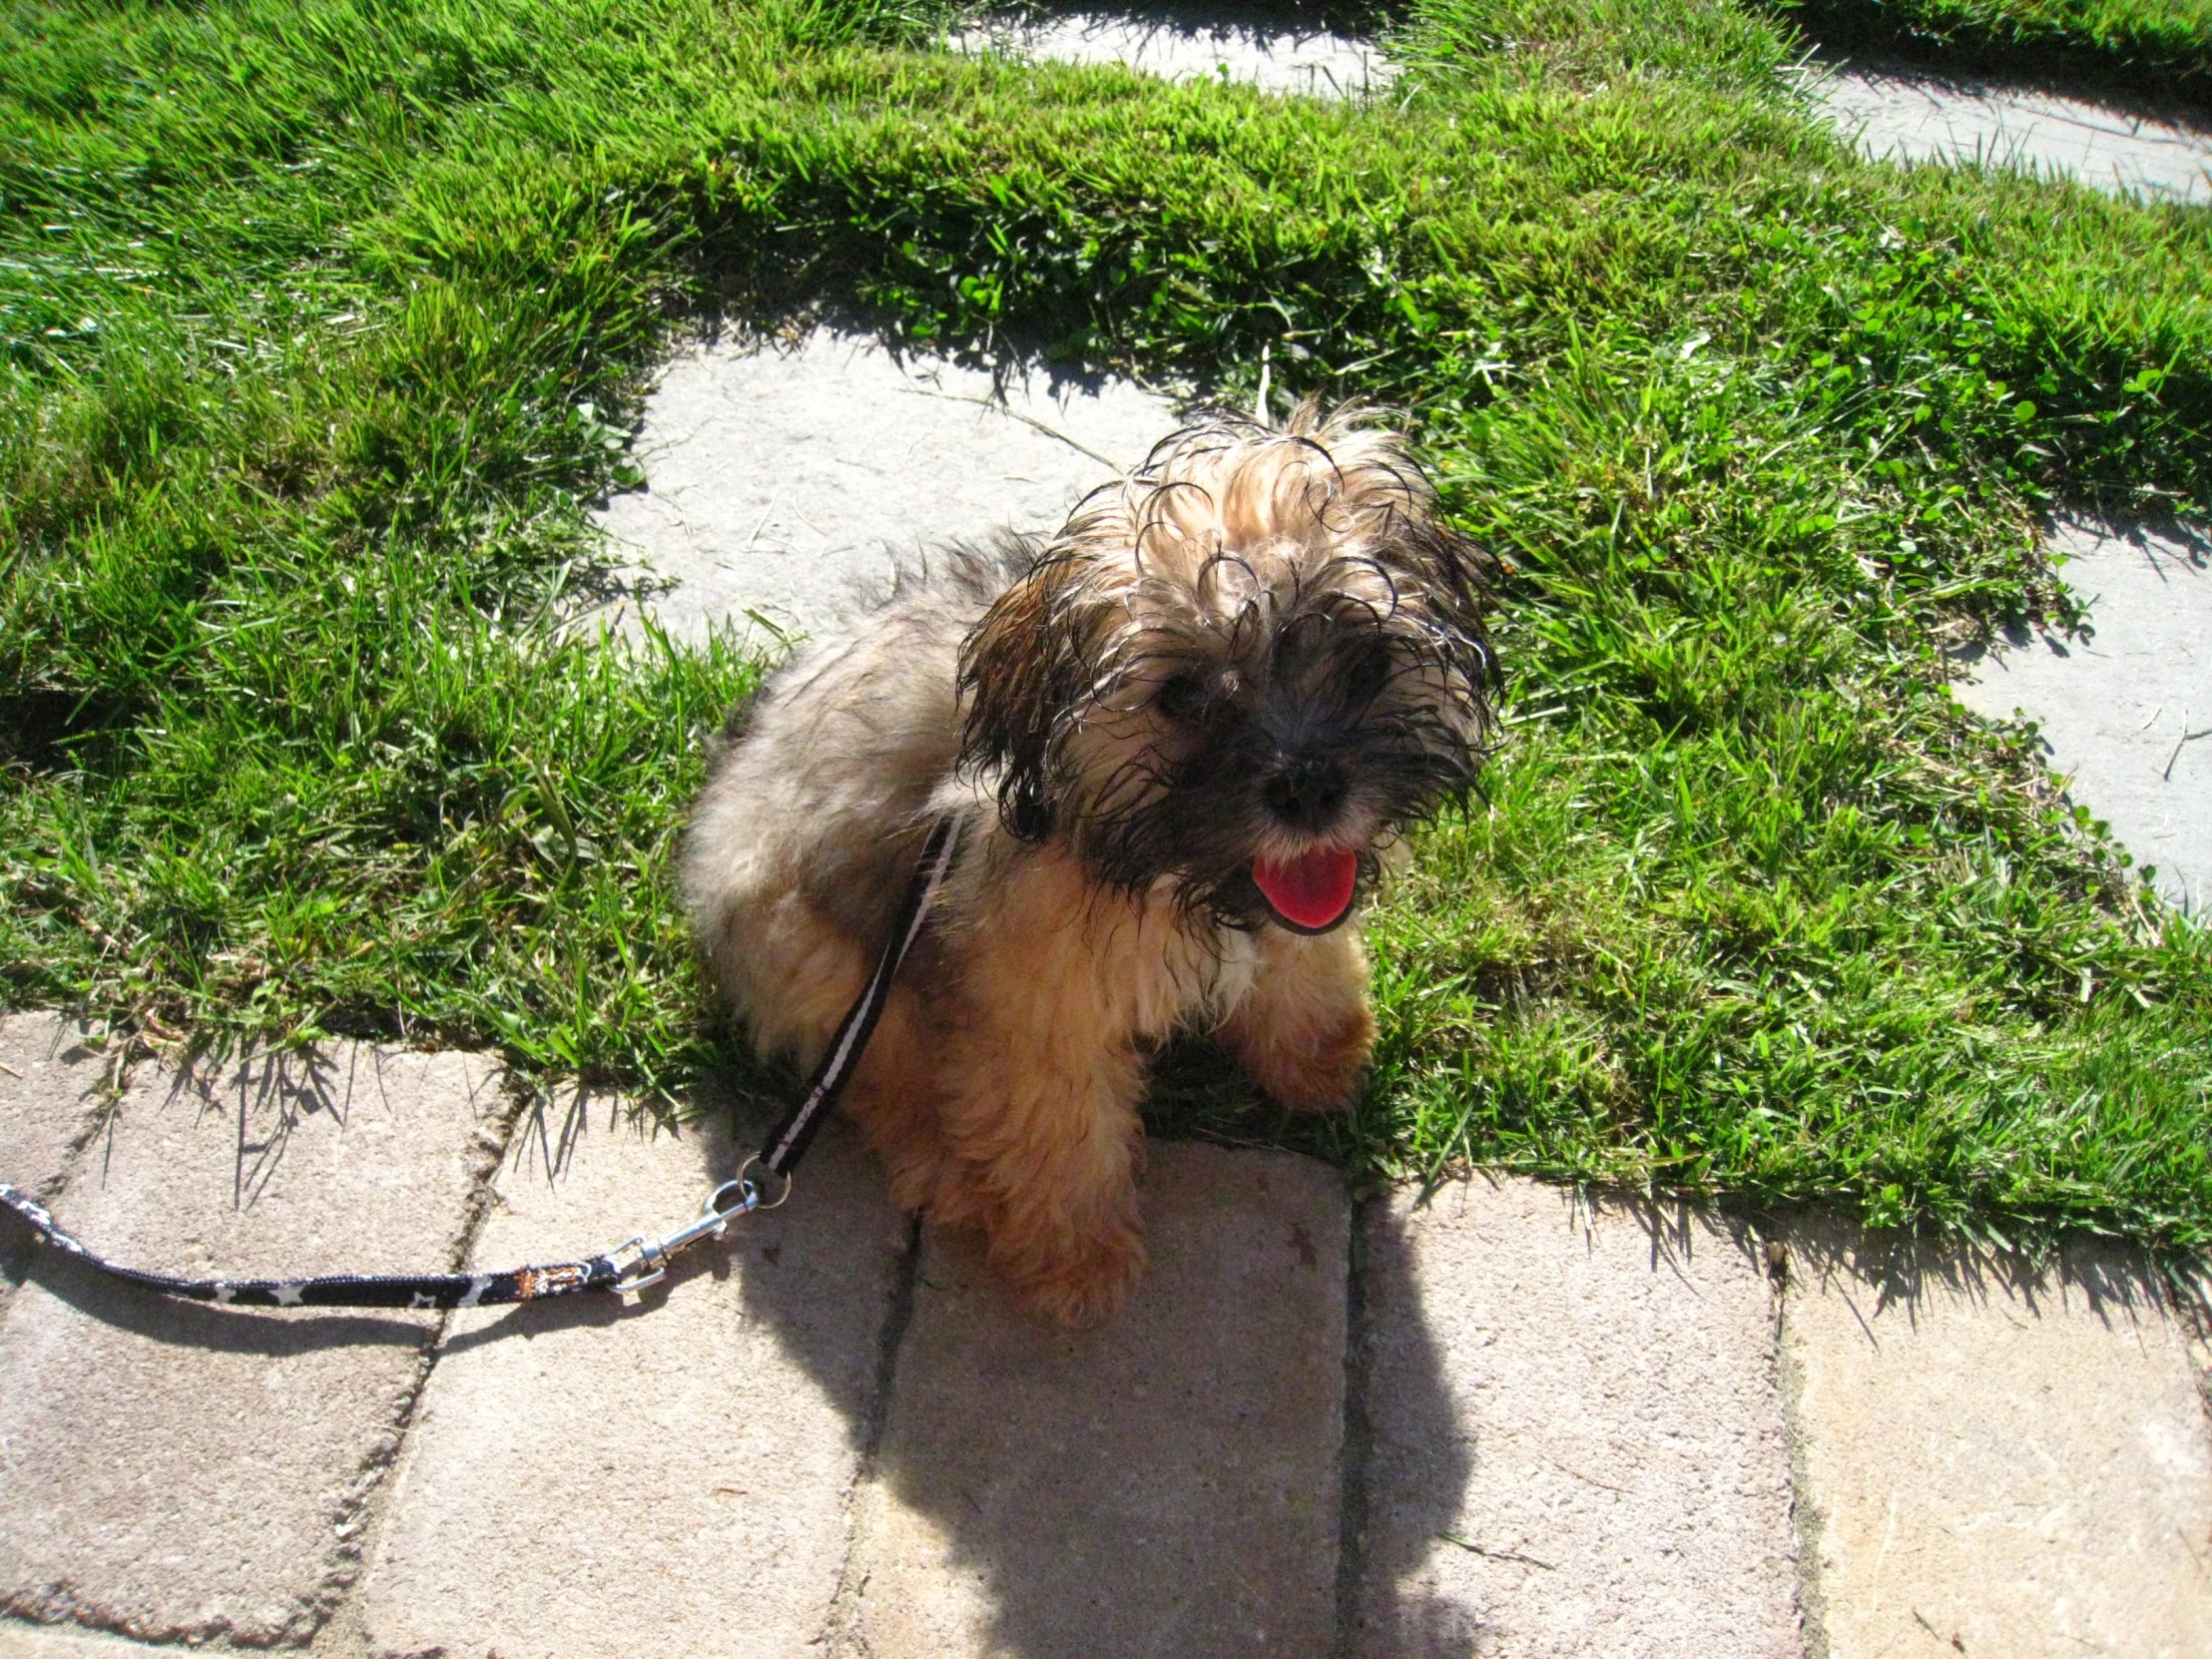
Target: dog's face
(1245, 668)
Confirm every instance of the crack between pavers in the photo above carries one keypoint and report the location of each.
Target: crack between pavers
(1358, 1439)
(843, 1635)
(1806, 1522)
(340, 1629)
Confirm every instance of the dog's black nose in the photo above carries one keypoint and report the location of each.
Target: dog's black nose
(1308, 791)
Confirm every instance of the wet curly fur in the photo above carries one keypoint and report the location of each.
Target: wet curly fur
(1260, 645)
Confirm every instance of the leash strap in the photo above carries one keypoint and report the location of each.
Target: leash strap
(631, 1265)
(797, 1132)
(339, 1290)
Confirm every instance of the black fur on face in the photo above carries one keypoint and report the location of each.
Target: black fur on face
(1184, 716)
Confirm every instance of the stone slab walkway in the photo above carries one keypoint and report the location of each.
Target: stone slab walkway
(185, 1473)
(1577, 1443)
(1996, 1459)
(2124, 708)
(1500, 1421)
(1892, 113)
(1305, 63)
(1167, 1484)
(583, 1466)
(1889, 110)
(791, 481)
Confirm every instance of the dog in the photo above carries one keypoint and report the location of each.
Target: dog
(1178, 739)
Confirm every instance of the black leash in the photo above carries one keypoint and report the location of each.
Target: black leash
(631, 1265)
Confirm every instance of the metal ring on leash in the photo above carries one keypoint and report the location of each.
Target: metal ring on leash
(758, 1203)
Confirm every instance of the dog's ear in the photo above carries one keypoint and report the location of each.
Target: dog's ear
(1463, 576)
(1457, 579)
(1021, 671)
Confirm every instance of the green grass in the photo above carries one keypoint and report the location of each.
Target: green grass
(323, 322)
(2140, 47)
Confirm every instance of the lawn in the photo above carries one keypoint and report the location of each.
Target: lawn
(326, 322)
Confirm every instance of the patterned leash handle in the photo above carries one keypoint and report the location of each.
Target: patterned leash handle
(629, 1265)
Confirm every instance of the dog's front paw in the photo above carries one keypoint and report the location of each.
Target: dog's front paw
(1313, 1071)
(1088, 1286)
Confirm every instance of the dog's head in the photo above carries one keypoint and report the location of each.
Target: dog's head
(1243, 667)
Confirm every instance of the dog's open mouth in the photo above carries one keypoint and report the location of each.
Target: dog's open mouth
(1312, 893)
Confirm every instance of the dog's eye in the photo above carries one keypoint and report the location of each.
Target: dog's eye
(1182, 696)
(1367, 672)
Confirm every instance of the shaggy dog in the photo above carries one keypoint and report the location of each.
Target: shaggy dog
(1176, 737)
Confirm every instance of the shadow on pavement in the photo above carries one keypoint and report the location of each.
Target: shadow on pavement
(1183, 1480)
(1396, 1515)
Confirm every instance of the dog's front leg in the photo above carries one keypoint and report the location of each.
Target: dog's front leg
(1303, 1031)
(1049, 1143)
(1041, 1080)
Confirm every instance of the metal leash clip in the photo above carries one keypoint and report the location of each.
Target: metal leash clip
(647, 1258)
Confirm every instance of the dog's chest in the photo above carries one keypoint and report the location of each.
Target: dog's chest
(1236, 963)
(1174, 972)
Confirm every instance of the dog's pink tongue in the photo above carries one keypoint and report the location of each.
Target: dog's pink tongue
(1313, 889)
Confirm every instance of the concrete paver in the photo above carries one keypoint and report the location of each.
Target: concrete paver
(182, 1472)
(49, 1095)
(1910, 115)
(1166, 1484)
(793, 481)
(1996, 1460)
(595, 1478)
(2125, 710)
(1310, 62)
(1565, 1434)
(1576, 1445)
(31, 1641)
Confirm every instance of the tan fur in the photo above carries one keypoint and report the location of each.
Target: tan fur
(1304, 1031)
(1003, 1084)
